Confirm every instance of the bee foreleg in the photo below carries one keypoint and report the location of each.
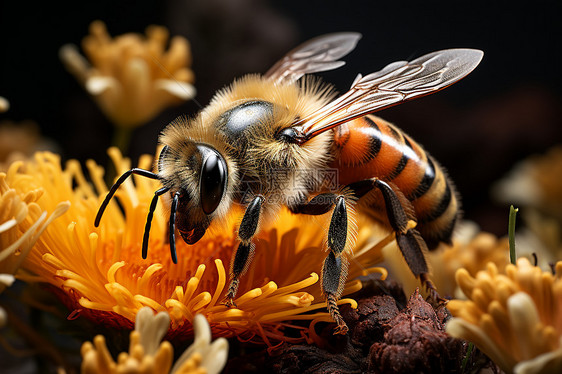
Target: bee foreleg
(172, 227)
(409, 240)
(245, 251)
(149, 219)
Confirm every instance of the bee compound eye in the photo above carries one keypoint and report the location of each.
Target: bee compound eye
(213, 182)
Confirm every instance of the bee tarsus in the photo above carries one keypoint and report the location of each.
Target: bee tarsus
(332, 305)
(231, 293)
(432, 291)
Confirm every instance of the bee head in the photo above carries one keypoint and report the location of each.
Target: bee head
(200, 174)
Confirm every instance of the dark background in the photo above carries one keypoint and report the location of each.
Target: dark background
(507, 109)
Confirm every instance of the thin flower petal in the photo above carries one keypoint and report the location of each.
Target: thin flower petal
(182, 90)
(97, 85)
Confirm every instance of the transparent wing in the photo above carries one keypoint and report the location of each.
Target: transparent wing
(315, 55)
(396, 83)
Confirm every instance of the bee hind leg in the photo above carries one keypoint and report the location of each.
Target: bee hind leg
(408, 238)
(245, 251)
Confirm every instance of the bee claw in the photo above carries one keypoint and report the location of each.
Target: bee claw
(341, 329)
(436, 297)
(229, 302)
(433, 294)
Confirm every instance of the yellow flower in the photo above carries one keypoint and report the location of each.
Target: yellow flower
(22, 220)
(148, 355)
(132, 77)
(103, 276)
(515, 318)
(472, 254)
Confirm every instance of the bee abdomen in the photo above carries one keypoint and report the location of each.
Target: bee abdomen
(437, 210)
(376, 149)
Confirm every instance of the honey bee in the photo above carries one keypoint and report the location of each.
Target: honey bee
(261, 139)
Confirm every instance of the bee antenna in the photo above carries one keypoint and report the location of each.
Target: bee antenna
(173, 210)
(119, 182)
(149, 220)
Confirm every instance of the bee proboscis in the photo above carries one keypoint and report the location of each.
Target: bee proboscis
(278, 126)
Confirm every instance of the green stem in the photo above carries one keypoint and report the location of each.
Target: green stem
(466, 357)
(511, 233)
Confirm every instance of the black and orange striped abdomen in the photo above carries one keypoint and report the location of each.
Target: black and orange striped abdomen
(370, 147)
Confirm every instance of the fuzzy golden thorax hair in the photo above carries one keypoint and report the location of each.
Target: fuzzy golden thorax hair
(283, 171)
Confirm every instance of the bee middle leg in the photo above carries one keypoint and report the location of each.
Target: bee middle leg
(334, 269)
(245, 251)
